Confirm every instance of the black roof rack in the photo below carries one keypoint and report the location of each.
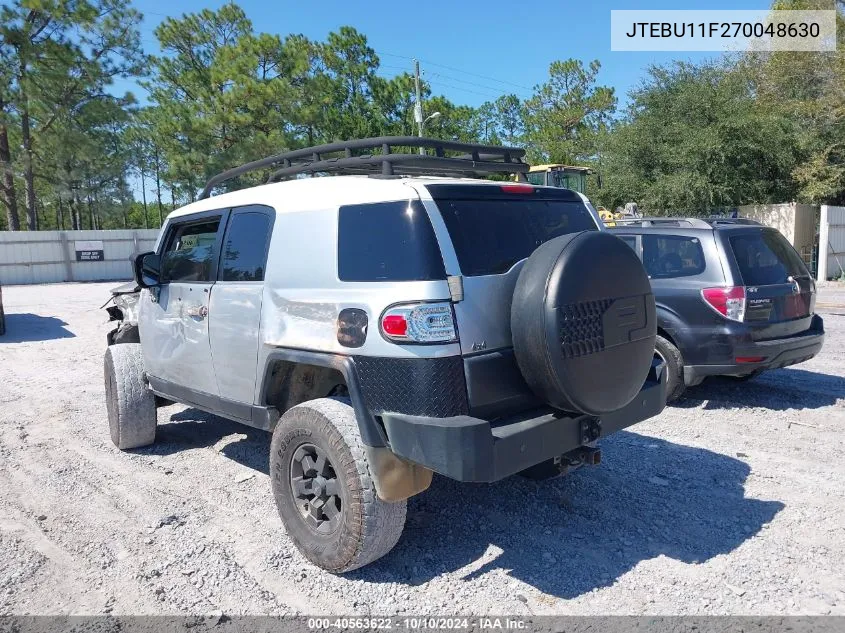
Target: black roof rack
(352, 157)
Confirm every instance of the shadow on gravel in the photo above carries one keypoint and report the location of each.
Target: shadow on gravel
(778, 390)
(573, 534)
(565, 536)
(23, 328)
(193, 428)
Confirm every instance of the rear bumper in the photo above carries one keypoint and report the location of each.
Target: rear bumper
(776, 353)
(471, 449)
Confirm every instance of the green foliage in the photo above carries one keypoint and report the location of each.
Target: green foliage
(754, 128)
(566, 114)
(750, 128)
(695, 140)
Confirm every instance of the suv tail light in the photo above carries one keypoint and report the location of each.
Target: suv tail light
(420, 323)
(728, 301)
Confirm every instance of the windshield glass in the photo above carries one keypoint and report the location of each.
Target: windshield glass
(564, 180)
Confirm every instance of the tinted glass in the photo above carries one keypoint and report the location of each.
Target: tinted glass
(667, 256)
(245, 247)
(190, 251)
(766, 258)
(492, 235)
(387, 241)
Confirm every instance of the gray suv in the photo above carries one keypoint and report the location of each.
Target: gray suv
(733, 297)
(403, 319)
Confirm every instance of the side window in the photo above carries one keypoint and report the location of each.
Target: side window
(387, 241)
(189, 254)
(245, 247)
(667, 256)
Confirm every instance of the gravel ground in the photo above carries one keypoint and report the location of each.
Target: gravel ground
(732, 502)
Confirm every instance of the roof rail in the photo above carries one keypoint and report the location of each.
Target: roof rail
(351, 157)
(695, 223)
(717, 220)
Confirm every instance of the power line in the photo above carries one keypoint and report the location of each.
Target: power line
(498, 92)
(443, 84)
(458, 70)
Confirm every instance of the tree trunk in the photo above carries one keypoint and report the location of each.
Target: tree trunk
(8, 185)
(60, 215)
(98, 224)
(144, 197)
(26, 138)
(158, 188)
(90, 213)
(75, 215)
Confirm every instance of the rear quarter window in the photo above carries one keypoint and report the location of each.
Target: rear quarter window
(668, 256)
(387, 241)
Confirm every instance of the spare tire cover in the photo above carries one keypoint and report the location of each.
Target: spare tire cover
(583, 323)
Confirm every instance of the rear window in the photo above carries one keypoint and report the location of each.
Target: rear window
(387, 241)
(491, 235)
(666, 256)
(766, 258)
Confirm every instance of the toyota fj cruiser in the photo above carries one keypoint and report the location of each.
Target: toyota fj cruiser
(406, 319)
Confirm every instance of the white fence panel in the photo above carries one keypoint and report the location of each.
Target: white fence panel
(831, 243)
(39, 257)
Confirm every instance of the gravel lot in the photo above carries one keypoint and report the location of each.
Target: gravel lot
(731, 502)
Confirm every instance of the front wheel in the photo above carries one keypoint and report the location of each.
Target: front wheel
(671, 355)
(324, 491)
(131, 406)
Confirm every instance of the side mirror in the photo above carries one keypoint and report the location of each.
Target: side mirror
(147, 270)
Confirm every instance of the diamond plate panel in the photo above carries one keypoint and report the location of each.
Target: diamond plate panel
(433, 387)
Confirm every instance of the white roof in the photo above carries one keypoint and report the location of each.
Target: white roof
(322, 192)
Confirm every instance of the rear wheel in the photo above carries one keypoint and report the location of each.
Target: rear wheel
(671, 356)
(324, 491)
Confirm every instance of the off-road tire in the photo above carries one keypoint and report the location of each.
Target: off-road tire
(674, 368)
(131, 406)
(368, 527)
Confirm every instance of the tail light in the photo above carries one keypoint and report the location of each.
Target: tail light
(728, 301)
(518, 188)
(420, 323)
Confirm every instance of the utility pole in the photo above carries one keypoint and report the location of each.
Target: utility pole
(418, 111)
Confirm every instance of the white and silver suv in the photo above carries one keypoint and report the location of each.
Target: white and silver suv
(386, 325)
